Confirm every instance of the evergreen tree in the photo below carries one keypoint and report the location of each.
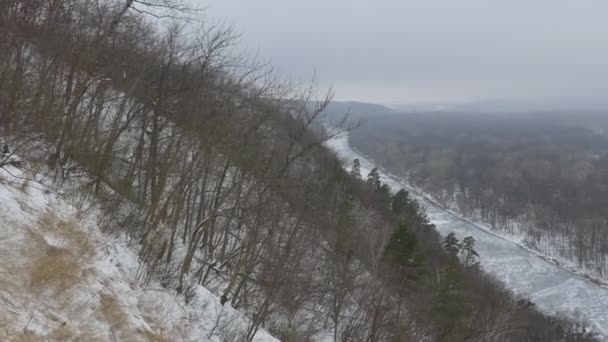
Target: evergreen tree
(449, 306)
(384, 195)
(401, 202)
(451, 244)
(402, 252)
(373, 178)
(469, 253)
(355, 171)
(408, 209)
(401, 245)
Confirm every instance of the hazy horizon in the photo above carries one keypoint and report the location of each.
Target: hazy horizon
(430, 51)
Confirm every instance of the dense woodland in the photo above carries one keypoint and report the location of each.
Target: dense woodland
(542, 175)
(206, 162)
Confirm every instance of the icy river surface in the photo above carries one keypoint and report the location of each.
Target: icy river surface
(551, 287)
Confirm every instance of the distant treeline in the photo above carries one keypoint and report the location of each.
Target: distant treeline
(542, 175)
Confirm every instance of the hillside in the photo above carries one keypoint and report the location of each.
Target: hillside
(63, 279)
(195, 174)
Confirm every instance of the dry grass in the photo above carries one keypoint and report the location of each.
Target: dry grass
(114, 314)
(154, 337)
(70, 231)
(54, 267)
(57, 255)
(61, 333)
(51, 267)
(24, 337)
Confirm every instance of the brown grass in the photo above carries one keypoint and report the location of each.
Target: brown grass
(61, 333)
(57, 268)
(114, 314)
(79, 242)
(154, 337)
(53, 268)
(24, 337)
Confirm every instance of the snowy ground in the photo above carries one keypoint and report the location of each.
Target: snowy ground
(549, 286)
(61, 279)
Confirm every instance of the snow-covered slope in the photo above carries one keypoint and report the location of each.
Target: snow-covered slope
(551, 287)
(61, 279)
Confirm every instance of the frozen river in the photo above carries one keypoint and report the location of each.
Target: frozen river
(549, 286)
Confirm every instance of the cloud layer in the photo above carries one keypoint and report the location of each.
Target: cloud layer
(397, 51)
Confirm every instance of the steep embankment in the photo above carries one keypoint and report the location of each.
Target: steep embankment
(62, 279)
(548, 285)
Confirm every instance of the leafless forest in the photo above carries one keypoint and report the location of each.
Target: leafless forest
(542, 175)
(214, 169)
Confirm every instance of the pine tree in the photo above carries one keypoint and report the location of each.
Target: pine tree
(408, 209)
(384, 195)
(402, 252)
(468, 249)
(373, 178)
(355, 171)
(451, 244)
(401, 202)
(449, 306)
(401, 245)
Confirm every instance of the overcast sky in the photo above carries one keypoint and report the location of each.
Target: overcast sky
(404, 51)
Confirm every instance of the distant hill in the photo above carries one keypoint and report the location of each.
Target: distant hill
(360, 112)
(505, 106)
(356, 111)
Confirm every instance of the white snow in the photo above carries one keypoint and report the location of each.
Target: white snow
(63, 279)
(551, 287)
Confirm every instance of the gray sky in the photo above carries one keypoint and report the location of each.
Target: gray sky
(403, 51)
